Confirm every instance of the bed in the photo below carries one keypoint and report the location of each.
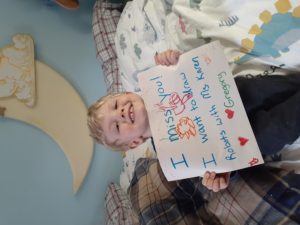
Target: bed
(127, 36)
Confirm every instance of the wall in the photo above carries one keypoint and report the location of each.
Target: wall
(35, 177)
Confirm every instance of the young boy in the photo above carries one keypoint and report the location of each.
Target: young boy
(272, 103)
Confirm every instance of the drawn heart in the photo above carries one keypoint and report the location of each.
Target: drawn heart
(229, 113)
(243, 141)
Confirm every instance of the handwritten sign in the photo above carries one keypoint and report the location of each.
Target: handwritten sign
(196, 116)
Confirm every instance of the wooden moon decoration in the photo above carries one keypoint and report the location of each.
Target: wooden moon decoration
(53, 106)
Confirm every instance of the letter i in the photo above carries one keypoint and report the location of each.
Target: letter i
(183, 161)
(211, 161)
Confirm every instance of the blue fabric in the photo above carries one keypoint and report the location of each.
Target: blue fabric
(272, 104)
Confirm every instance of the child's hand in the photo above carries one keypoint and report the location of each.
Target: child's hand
(216, 182)
(167, 58)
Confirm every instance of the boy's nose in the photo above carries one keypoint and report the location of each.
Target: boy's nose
(122, 113)
(124, 116)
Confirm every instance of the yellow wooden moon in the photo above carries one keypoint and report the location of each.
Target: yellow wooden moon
(60, 112)
(33, 93)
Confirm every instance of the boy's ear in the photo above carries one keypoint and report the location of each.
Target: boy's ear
(136, 142)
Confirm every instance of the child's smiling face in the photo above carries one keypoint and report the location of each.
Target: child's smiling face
(125, 120)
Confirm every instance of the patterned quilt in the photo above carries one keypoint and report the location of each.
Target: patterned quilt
(259, 195)
(264, 41)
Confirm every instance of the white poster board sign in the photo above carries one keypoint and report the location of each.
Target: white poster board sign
(197, 118)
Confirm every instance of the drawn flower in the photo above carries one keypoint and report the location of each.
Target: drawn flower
(186, 128)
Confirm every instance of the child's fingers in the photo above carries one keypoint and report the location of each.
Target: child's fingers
(167, 58)
(210, 180)
(224, 180)
(161, 58)
(169, 54)
(205, 178)
(216, 185)
(157, 58)
(175, 57)
(215, 182)
(172, 57)
(223, 183)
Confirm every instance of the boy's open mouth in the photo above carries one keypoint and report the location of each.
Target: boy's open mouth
(131, 114)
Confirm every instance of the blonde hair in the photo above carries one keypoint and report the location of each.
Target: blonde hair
(95, 118)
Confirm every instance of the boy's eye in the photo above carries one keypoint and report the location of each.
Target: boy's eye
(116, 105)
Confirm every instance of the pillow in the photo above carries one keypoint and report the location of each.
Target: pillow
(118, 207)
(105, 20)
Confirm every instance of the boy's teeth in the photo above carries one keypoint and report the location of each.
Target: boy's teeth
(131, 116)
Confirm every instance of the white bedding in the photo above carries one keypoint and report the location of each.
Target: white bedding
(149, 26)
